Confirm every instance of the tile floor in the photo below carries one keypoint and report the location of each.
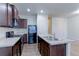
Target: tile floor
(30, 50)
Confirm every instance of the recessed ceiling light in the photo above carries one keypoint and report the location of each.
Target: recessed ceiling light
(41, 11)
(28, 10)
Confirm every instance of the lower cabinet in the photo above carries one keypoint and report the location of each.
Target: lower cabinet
(58, 50)
(16, 49)
(12, 51)
(46, 49)
(25, 38)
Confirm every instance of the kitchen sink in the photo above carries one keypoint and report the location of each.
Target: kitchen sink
(50, 38)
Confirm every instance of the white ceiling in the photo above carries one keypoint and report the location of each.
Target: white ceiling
(55, 9)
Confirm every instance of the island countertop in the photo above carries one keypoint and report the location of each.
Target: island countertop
(8, 42)
(51, 41)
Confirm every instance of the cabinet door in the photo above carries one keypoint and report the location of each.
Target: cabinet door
(25, 38)
(61, 50)
(3, 14)
(41, 48)
(58, 50)
(16, 16)
(9, 20)
(19, 22)
(53, 50)
(39, 44)
(25, 23)
(46, 49)
(16, 49)
(22, 23)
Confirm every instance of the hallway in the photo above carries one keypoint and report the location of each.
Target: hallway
(30, 50)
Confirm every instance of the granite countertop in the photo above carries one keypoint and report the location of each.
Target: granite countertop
(51, 40)
(8, 42)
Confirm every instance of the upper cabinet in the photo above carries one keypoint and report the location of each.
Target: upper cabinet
(49, 25)
(22, 23)
(9, 17)
(17, 21)
(16, 15)
(3, 15)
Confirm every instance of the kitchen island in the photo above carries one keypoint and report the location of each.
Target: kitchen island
(10, 46)
(48, 46)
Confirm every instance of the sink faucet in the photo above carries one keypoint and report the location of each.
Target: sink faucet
(55, 36)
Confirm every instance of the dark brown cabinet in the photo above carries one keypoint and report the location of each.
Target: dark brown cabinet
(16, 49)
(3, 14)
(58, 50)
(24, 38)
(15, 17)
(17, 21)
(22, 23)
(9, 17)
(7, 14)
(43, 47)
(13, 50)
(46, 49)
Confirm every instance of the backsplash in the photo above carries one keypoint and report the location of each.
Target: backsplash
(17, 31)
(3, 31)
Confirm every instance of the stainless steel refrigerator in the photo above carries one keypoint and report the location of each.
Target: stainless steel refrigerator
(32, 34)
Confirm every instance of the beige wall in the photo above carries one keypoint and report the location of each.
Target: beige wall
(49, 24)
